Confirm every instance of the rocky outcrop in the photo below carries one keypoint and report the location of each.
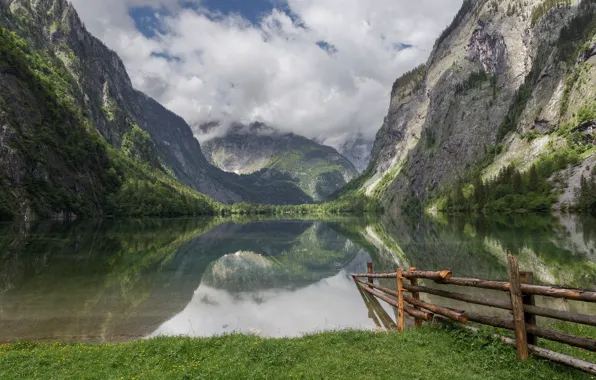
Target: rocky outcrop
(501, 71)
(488, 49)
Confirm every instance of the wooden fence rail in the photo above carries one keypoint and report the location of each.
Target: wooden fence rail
(521, 304)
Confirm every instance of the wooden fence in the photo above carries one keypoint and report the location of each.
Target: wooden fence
(521, 290)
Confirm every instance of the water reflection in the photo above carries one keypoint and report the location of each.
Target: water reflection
(120, 280)
(557, 249)
(326, 304)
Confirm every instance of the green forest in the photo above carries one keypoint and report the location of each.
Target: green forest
(514, 190)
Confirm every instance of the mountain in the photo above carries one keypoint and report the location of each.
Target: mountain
(501, 116)
(260, 150)
(76, 138)
(358, 150)
(354, 146)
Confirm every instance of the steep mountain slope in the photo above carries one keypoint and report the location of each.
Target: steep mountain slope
(54, 163)
(509, 84)
(358, 151)
(261, 151)
(85, 90)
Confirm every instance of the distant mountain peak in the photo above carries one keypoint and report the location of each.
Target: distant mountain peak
(317, 169)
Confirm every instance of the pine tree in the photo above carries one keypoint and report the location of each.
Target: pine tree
(479, 192)
(459, 199)
(517, 183)
(534, 180)
(587, 194)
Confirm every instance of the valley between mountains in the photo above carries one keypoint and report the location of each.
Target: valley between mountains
(500, 118)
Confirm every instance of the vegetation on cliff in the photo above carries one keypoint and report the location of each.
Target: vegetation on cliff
(69, 167)
(512, 189)
(587, 193)
(414, 77)
(545, 7)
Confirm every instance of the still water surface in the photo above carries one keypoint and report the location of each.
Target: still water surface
(119, 280)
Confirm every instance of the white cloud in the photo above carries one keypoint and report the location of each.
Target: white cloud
(229, 69)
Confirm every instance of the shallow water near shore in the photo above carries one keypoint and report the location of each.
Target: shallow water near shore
(121, 280)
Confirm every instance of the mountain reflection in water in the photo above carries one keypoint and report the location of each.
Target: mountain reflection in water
(119, 280)
(326, 304)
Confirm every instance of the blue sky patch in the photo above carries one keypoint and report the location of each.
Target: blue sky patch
(252, 10)
(147, 20)
(401, 46)
(165, 56)
(326, 46)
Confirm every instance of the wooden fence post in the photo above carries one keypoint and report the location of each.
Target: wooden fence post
(518, 308)
(369, 269)
(529, 299)
(416, 296)
(400, 301)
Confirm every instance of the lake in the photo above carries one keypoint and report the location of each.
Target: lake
(122, 280)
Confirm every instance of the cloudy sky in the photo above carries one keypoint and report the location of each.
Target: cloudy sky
(320, 68)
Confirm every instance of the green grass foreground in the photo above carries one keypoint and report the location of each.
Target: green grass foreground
(427, 353)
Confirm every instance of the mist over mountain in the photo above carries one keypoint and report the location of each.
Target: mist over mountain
(321, 69)
(247, 149)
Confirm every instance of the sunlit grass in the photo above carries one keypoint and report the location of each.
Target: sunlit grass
(428, 353)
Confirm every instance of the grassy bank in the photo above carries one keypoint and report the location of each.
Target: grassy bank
(427, 353)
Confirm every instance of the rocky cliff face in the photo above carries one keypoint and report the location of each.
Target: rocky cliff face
(358, 151)
(507, 77)
(262, 151)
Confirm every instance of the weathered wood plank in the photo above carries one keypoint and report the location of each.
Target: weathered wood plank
(430, 275)
(557, 336)
(542, 332)
(444, 277)
(369, 269)
(459, 296)
(476, 283)
(400, 300)
(518, 308)
(362, 286)
(528, 300)
(380, 296)
(419, 314)
(539, 290)
(564, 359)
(529, 309)
(415, 295)
(562, 315)
(374, 275)
(382, 315)
(437, 309)
(552, 291)
(385, 290)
